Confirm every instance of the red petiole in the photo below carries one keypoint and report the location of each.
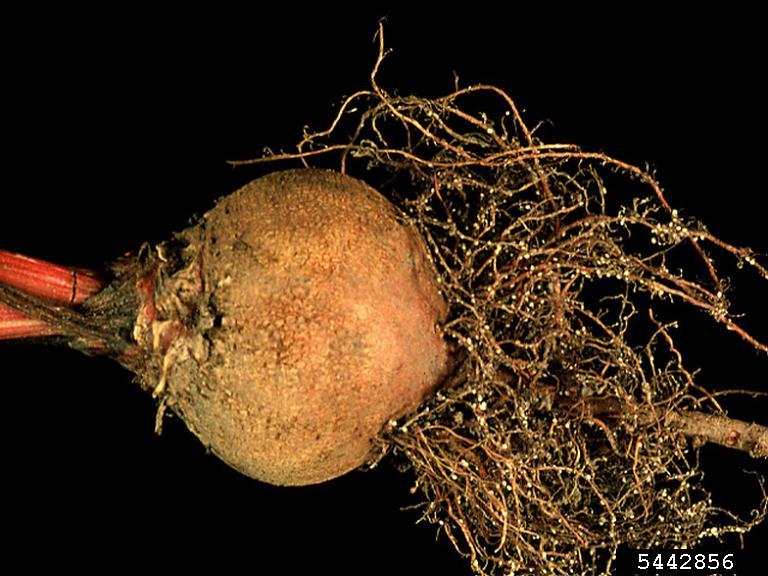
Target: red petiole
(53, 283)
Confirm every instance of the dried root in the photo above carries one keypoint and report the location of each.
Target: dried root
(562, 436)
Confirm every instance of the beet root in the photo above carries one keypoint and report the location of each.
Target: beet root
(292, 323)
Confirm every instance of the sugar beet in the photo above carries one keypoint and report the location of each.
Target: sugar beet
(291, 323)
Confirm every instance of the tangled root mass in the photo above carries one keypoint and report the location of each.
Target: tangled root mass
(555, 441)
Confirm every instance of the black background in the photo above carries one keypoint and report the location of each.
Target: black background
(116, 128)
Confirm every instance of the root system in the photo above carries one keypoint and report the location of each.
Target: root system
(565, 432)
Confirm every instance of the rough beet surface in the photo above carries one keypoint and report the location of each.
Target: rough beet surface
(317, 321)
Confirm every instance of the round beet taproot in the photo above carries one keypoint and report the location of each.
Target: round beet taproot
(286, 327)
(298, 317)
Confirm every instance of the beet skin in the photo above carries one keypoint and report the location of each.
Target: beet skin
(309, 317)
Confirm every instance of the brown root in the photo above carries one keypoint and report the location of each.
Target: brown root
(553, 445)
(314, 321)
(747, 436)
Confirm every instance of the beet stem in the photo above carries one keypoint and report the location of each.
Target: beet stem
(45, 283)
(16, 325)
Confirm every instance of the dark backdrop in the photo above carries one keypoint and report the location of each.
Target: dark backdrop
(116, 128)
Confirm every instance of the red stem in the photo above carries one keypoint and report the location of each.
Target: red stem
(57, 284)
(14, 324)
